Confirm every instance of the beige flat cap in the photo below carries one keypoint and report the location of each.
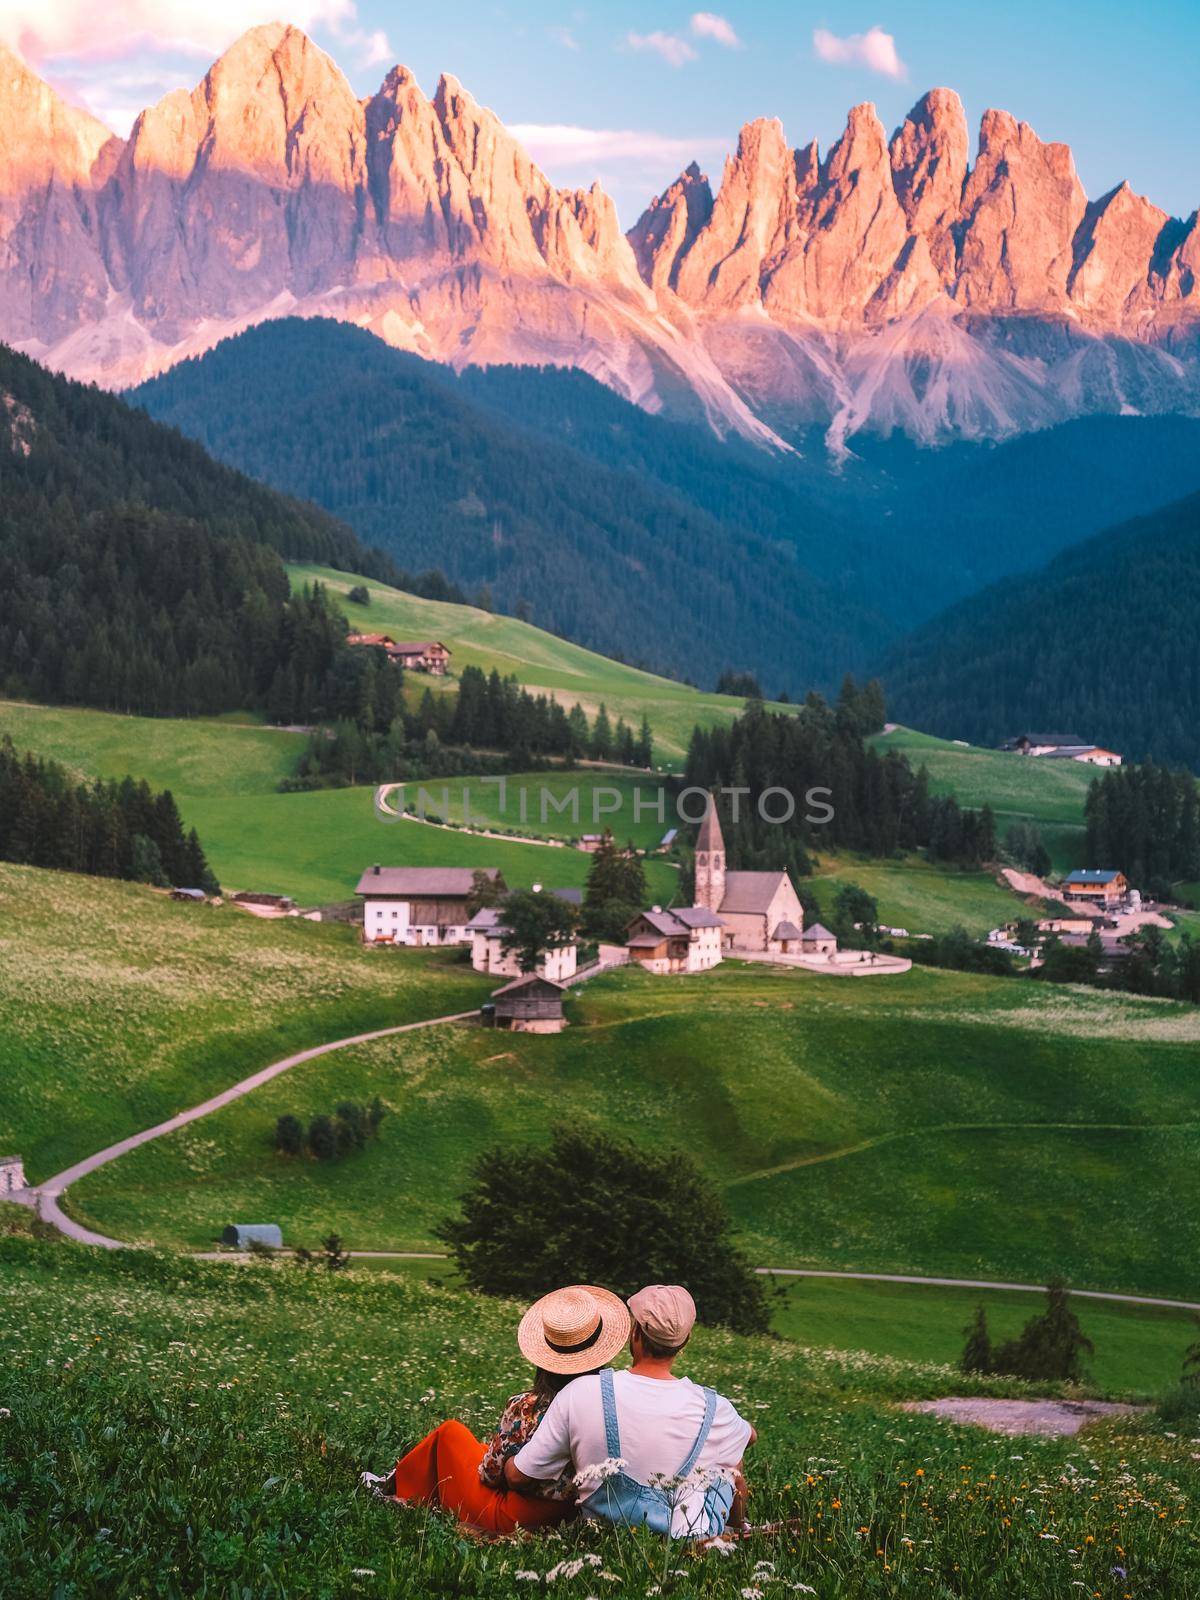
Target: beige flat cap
(666, 1311)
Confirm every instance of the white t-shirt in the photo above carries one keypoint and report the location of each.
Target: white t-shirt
(658, 1420)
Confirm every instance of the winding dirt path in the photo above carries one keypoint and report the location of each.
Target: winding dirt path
(44, 1197)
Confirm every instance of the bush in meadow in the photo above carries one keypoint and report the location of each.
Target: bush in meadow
(593, 1209)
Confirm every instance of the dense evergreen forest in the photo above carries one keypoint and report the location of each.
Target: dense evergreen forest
(111, 830)
(604, 554)
(650, 538)
(1145, 822)
(1101, 641)
(819, 758)
(491, 724)
(137, 574)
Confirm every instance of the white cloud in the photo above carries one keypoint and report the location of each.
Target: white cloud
(550, 143)
(874, 49)
(707, 25)
(564, 37)
(674, 50)
(44, 29)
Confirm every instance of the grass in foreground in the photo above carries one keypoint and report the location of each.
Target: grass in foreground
(177, 1429)
(935, 1122)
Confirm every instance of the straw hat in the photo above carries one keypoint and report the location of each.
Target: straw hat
(576, 1329)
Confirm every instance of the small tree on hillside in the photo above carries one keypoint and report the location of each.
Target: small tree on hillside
(977, 1352)
(535, 923)
(1051, 1345)
(289, 1136)
(336, 1259)
(616, 889)
(856, 917)
(594, 1209)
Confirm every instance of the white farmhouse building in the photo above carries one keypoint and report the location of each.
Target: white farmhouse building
(418, 905)
(487, 930)
(686, 939)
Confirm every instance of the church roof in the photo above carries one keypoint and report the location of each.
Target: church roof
(751, 891)
(710, 836)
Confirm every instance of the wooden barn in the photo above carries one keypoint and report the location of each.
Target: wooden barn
(529, 1005)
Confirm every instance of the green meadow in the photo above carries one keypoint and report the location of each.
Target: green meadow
(315, 845)
(934, 1122)
(1018, 788)
(119, 1007)
(1138, 1348)
(913, 894)
(189, 756)
(176, 1428)
(543, 663)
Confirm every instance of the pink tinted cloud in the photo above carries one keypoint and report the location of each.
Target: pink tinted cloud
(875, 50)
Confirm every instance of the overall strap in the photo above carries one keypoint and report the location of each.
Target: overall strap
(693, 1455)
(612, 1437)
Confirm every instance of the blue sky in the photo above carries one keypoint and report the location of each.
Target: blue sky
(629, 92)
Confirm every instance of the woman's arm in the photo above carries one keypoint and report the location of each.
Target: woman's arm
(517, 1423)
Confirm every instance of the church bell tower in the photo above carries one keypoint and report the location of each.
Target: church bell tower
(710, 860)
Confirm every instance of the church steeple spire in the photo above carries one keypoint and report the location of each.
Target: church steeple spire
(710, 860)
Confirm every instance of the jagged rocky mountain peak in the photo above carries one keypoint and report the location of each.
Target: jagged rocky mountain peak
(901, 281)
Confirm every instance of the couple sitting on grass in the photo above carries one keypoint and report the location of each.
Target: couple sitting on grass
(641, 1447)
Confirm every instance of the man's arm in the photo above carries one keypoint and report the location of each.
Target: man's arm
(514, 1478)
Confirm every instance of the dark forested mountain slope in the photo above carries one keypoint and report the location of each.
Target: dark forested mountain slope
(1102, 640)
(482, 471)
(136, 573)
(601, 552)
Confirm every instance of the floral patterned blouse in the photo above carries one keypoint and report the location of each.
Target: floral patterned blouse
(517, 1425)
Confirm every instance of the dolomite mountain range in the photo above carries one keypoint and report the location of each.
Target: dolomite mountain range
(891, 283)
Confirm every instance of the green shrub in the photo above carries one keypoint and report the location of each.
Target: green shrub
(592, 1209)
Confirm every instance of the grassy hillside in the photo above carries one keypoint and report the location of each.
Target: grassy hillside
(1137, 1347)
(1018, 789)
(316, 845)
(543, 662)
(119, 1007)
(913, 894)
(189, 756)
(933, 1122)
(175, 1429)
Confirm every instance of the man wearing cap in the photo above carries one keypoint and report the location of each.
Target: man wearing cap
(660, 1420)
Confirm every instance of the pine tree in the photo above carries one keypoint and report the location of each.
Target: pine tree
(977, 1352)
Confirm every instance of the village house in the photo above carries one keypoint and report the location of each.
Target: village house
(425, 655)
(531, 1004)
(1062, 747)
(760, 910)
(687, 939)
(1097, 887)
(487, 929)
(419, 905)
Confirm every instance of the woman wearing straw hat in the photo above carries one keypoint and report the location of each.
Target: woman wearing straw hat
(565, 1334)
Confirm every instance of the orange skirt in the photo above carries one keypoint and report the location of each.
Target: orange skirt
(443, 1470)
